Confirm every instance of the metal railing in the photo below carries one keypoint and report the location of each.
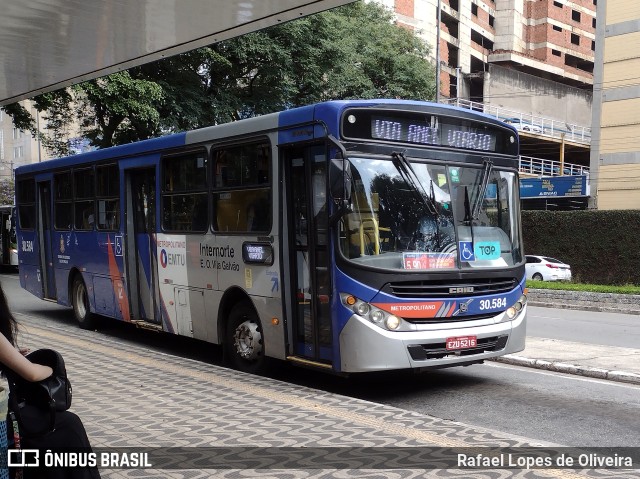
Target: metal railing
(542, 167)
(529, 123)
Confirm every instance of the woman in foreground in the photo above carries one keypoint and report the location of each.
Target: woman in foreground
(69, 432)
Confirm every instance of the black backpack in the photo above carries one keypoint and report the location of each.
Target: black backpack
(50, 395)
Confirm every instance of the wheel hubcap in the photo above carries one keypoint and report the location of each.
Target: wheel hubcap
(248, 340)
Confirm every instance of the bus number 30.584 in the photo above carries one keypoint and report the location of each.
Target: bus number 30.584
(494, 303)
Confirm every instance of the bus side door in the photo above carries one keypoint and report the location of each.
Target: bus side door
(142, 266)
(309, 256)
(45, 236)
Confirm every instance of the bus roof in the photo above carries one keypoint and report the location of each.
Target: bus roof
(130, 149)
(328, 111)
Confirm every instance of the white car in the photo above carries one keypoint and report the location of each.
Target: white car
(523, 125)
(543, 268)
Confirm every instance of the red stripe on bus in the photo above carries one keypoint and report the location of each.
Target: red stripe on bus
(118, 286)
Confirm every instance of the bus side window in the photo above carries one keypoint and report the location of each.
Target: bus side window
(242, 202)
(185, 200)
(108, 191)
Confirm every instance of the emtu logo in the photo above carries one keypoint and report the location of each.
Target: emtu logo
(172, 259)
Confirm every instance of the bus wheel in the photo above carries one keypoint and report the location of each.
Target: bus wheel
(244, 342)
(80, 302)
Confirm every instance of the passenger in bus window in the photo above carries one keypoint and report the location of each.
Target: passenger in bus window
(69, 431)
(199, 214)
(251, 218)
(258, 217)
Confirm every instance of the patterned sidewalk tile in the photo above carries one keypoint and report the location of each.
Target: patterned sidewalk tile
(129, 395)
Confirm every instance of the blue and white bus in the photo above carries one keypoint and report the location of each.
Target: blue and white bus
(350, 236)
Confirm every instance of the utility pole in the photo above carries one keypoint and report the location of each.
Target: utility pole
(458, 85)
(38, 128)
(438, 15)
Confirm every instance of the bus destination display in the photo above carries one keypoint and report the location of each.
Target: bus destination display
(427, 129)
(442, 134)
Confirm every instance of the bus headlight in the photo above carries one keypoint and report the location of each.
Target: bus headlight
(369, 312)
(377, 316)
(362, 308)
(392, 322)
(515, 308)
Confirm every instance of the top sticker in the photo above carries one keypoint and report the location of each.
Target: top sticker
(487, 249)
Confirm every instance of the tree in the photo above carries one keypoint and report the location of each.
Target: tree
(350, 52)
(119, 109)
(354, 51)
(56, 109)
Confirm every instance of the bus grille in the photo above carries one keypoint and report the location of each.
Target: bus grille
(422, 352)
(438, 288)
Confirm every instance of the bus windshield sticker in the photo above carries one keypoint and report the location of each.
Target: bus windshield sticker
(425, 260)
(466, 251)
(248, 278)
(487, 250)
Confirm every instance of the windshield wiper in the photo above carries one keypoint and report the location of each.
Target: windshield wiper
(467, 207)
(486, 172)
(468, 218)
(409, 175)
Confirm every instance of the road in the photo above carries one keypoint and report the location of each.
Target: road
(539, 405)
(608, 329)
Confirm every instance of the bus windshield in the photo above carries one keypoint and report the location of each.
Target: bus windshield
(410, 214)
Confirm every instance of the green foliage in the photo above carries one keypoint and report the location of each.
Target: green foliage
(56, 120)
(119, 109)
(22, 119)
(354, 51)
(58, 116)
(602, 247)
(7, 191)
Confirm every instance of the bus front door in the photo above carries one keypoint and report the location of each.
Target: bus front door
(45, 236)
(141, 239)
(310, 278)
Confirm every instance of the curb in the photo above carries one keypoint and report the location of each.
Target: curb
(586, 371)
(585, 301)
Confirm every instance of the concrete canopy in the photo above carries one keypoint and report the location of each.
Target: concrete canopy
(49, 44)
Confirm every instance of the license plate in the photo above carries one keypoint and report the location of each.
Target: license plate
(461, 342)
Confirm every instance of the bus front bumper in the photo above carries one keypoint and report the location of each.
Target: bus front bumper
(367, 347)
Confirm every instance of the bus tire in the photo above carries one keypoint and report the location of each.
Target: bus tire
(244, 341)
(80, 302)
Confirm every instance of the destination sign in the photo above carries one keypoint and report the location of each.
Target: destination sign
(407, 131)
(428, 130)
(257, 253)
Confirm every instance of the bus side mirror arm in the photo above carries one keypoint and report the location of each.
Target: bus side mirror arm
(339, 181)
(340, 210)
